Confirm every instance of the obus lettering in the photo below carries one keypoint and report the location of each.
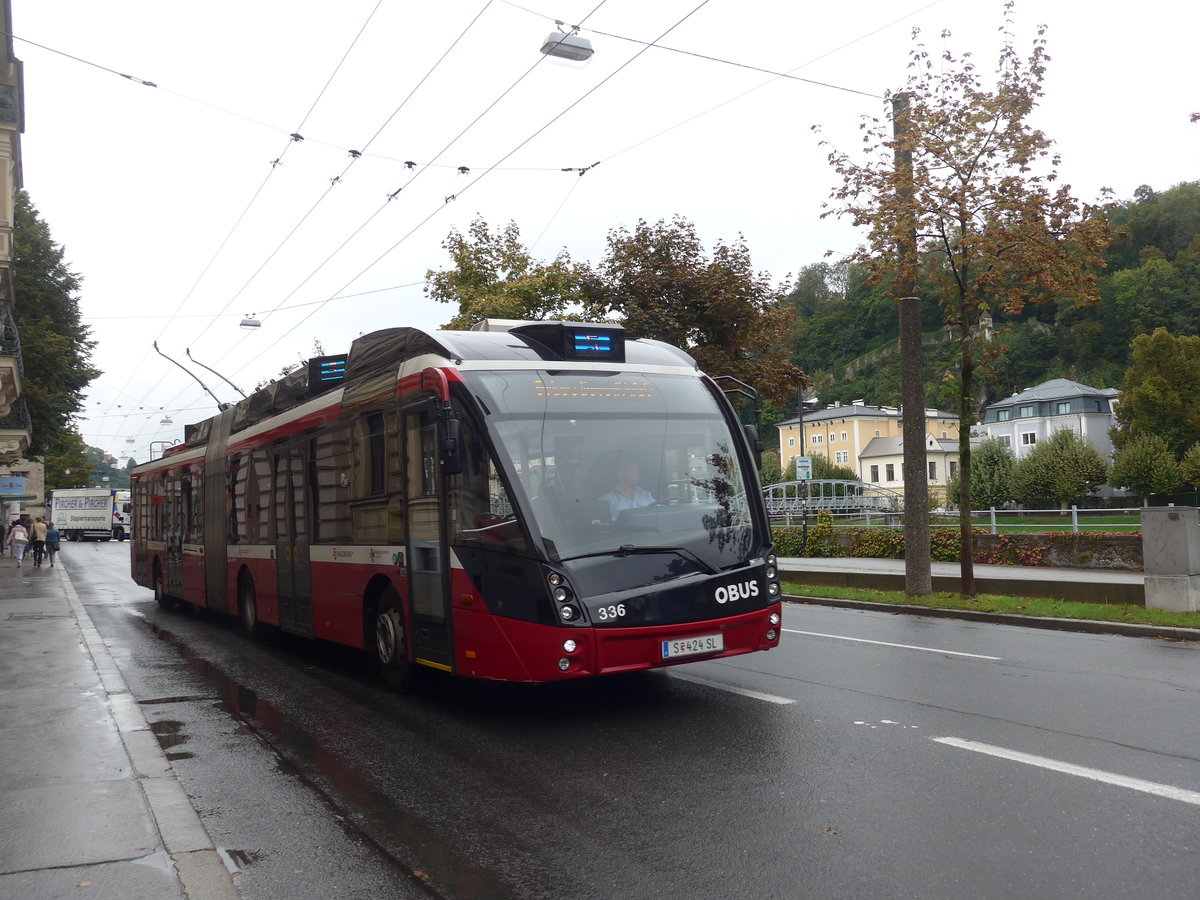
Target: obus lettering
(733, 592)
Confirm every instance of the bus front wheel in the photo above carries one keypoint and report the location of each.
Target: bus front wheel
(390, 648)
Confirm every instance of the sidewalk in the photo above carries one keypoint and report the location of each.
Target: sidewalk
(91, 806)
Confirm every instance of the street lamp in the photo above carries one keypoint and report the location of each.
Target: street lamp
(250, 323)
(567, 45)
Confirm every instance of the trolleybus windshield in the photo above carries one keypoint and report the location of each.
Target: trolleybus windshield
(622, 463)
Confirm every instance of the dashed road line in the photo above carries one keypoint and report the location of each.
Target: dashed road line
(1134, 784)
(842, 637)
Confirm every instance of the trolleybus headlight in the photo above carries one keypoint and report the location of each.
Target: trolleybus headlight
(569, 646)
(561, 594)
(770, 571)
(773, 618)
(772, 634)
(770, 559)
(555, 579)
(568, 612)
(564, 664)
(772, 589)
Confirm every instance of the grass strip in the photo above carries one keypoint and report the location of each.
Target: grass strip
(999, 603)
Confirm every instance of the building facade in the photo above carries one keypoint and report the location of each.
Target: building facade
(1025, 419)
(842, 433)
(882, 463)
(14, 416)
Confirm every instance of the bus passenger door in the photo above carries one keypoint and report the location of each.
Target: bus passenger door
(292, 541)
(428, 566)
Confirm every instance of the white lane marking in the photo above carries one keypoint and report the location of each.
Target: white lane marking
(1136, 784)
(745, 692)
(842, 637)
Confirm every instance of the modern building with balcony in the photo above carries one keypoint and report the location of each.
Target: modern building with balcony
(1021, 421)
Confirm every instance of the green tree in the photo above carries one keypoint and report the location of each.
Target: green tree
(823, 468)
(101, 466)
(1189, 466)
(661, 284)
(1146, 466)
(56, 346)
(770, 473)
(1060, 470)
(494, 276)
(993, 227)
(68, 465)
(991, 475)
(1161, 394)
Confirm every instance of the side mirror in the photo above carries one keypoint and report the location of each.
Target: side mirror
(452, 458)
(756, 444)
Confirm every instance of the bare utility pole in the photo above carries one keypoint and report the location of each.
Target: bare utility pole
(917, 577)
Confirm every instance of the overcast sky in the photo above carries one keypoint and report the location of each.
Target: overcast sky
(172, 207)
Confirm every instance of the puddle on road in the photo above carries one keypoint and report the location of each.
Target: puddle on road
(300, 753)
(170, 734)
(237, 860)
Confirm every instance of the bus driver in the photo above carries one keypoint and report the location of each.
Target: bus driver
(628, 494)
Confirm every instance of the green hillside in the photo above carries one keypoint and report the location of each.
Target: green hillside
(845, 333)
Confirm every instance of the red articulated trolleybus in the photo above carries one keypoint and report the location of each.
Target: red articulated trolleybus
(526, 501)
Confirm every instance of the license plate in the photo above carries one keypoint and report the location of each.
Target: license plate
(693, 646)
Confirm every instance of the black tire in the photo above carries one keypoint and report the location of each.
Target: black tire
(248, 607)
(160, 593)
(388, 648)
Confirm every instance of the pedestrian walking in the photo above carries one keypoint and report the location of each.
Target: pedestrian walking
(18, 540)
(52, 539)
(37, 541)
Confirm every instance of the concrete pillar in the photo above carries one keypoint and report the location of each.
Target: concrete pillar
(1171, 557)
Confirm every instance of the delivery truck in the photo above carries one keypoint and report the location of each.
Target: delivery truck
(87, 514)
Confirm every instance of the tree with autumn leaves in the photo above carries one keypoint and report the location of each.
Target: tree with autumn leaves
(994, 230)
(656, 280)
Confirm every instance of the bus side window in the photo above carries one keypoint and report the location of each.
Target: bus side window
(376, 455)
(480, 508)
(258, 493)
(331, 483)
(235, 500)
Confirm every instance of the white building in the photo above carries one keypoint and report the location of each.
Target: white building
(1024, 419)
(882, 463)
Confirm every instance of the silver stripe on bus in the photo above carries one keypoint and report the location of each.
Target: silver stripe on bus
(573, 365)
(417, 364)
(329, 398)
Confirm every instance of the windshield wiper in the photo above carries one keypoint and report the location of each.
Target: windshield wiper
(631, 549)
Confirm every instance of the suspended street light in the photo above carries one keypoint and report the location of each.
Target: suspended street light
(165, 420)
(250, 322)
(567, 45)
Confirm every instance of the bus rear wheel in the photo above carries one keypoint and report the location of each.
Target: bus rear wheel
(390, 649)
(160, 593)
(248, 607)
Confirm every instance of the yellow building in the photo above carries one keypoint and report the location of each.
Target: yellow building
(841, 433)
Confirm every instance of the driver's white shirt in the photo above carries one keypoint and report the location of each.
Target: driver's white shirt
(619, 500)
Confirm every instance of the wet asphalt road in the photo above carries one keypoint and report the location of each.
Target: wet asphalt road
(871, 755)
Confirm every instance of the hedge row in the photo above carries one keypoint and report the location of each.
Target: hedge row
(1075, 549)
